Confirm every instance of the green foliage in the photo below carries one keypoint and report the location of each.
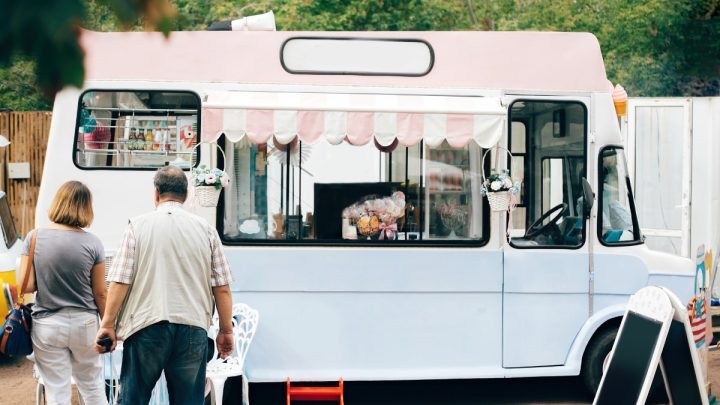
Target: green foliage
(366, 15)
(47, 32)
(652, 47)
(19, 90)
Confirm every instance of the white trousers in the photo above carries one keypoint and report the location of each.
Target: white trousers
(63, 342)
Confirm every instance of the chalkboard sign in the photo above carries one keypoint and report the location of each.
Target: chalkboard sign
(631, 360)
(681, 362)
(678, 367)
(654, 330)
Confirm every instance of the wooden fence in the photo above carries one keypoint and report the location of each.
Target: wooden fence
(28, 135)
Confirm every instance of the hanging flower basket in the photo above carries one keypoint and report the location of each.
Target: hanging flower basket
(208, 183)
(499, 200)
(207, 196)
(499, 187)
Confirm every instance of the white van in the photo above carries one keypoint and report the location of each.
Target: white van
(311, 123)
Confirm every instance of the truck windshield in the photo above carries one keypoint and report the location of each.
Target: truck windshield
(617, 217)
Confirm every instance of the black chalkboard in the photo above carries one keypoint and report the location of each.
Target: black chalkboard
(332, 198)
(630, 362)
(679, 369)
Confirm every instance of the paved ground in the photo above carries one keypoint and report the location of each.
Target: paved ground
(18, 388)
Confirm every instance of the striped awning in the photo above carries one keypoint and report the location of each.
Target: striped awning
(354, 118)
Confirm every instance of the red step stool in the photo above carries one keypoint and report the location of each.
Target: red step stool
(295, 393)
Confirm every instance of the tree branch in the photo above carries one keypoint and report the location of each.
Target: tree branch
(471, 10)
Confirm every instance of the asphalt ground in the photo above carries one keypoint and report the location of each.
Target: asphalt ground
(18, 388)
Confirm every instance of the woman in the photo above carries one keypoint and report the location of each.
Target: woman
(69, 268)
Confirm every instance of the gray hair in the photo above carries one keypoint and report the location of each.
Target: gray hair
(171, 181)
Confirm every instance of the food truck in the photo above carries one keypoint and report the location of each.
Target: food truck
(355, 220)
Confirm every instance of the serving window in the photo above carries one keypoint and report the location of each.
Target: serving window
(347, 194)
(136, 129)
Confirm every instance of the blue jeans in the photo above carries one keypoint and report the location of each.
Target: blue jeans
(179, 350)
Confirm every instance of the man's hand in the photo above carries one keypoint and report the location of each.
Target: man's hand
(225, 338)
(225, 343)
(105, 332)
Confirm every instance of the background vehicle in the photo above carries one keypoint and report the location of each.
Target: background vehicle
(10, 249)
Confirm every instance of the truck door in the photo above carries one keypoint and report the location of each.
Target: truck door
(545, 293)
(659, 158)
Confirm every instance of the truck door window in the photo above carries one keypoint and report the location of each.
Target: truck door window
(616, 217)
(551, 163)
(136, 129)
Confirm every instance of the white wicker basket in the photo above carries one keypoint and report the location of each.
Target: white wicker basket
(499, 200)
(207, 196)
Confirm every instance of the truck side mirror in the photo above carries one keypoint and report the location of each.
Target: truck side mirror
(588, 198)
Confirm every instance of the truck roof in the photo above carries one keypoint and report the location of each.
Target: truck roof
(488, 60)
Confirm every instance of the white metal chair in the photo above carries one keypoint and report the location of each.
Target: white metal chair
(245, 321)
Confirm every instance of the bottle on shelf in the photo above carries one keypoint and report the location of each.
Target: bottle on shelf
(140, 144)
(163, 138)
(149, 137)
(132, 139)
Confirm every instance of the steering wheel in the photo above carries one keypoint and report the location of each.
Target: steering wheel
(537, 227)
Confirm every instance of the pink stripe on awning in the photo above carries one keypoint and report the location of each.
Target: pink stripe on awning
(356, 127)
(360, 127)
(212, 124)
(410, 128)
(260, 125)
(310, 125)
(459, 129)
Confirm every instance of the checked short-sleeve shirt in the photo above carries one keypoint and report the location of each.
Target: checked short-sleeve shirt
(122, 269)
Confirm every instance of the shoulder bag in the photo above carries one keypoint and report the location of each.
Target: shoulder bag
(15, 339)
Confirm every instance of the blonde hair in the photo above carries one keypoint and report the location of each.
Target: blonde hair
(72, 205)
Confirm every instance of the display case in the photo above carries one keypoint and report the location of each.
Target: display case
(136, 129)
(447, 191)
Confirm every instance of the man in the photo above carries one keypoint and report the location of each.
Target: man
(163, 280)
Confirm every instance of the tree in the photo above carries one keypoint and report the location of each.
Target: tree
(653, 47)
(47, 32)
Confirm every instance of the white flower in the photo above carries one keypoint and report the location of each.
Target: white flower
(496, 185)
(507, 183)
(200, 178)
(224, 180)
(210, 178)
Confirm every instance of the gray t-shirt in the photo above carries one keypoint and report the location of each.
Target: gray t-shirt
(63, 262)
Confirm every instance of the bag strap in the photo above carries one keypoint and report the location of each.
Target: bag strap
(28, 267)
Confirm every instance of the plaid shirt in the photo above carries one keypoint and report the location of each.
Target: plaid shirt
(122, 269)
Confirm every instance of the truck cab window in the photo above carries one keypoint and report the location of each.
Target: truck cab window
(136, 129)
(547, 140)
(617, 219)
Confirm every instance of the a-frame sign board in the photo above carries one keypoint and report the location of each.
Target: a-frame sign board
(655, 331)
